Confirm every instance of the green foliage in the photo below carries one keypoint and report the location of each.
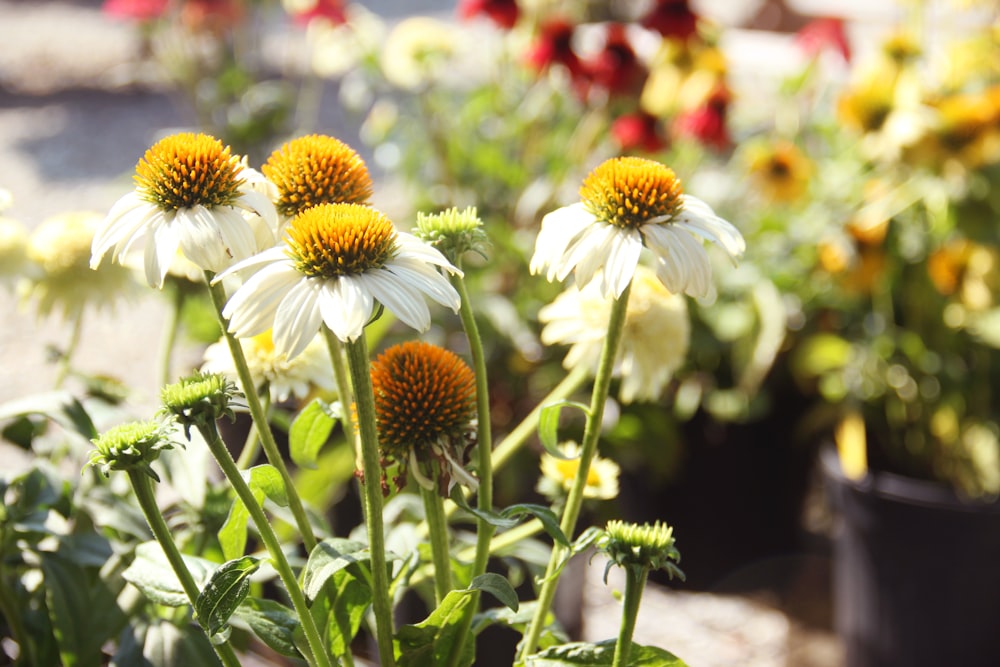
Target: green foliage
(601, 655)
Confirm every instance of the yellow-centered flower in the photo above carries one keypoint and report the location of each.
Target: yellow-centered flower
(425, 410)
(191, 195)
(336, 261)
(317, 169)
(627, 204)
(558, 474)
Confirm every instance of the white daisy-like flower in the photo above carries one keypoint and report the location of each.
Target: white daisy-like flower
(336, 261)
(628, 204)
(558, 474)
(191, 195)
(654, 341)
(285, 378)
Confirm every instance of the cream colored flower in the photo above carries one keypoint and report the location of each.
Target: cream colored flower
(654, 341)
(284, 378)
(628, 204)
(418, 51)
(64, 277)
(558, 474)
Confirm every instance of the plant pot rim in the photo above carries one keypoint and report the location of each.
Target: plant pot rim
(893, 486)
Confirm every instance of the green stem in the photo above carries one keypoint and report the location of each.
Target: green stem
(635, 582)
(147, 502)
(438, 531)
(169, 339)
(251, 446)
(364, 399)
(270, 540)
(591, 434)
(516, 438)
(260, 418)
(484, 530)
(340, 374)
(65, 362)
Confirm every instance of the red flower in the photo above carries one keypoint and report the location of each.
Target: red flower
(707, 123)
(216, 16)
(331, 10)
(638, 130)
(672, 18)
(555, 47)
(824, 33)
(502, 12)
(616, 68)
(140, 10)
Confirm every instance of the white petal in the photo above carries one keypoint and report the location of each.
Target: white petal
(619, 267)
(559, 229)
(269, 256)
(346, 307)
(588, 252)
(701, 219)
(251, 310)
(160, 252)
(237, 235)
(427, 280)
(401, 298)
(259, 204)
(410, 247)
(126, 218)
(201, 239)
(298, 318)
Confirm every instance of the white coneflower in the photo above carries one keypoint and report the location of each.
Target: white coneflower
(627, 204)
(558, 474)
(285, 378)
(654, 341)
(191, 194)
(336, 261)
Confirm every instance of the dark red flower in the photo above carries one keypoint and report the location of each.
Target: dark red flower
(824, 33)
(616, 68)
(330, 10)
(554, 46)
(139, 10)
(638, 131)
(504, 13)
(707, 123)
(672, 18)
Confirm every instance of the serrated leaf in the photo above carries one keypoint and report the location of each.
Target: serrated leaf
(497, 586)
(548, 518)
(328, 557)
(274, 623)
(601, 655)
(309, 431)
(151, 573)
(548, 425)
(224, 592)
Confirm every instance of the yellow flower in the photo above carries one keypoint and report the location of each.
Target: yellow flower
(419, 51)
(558, 474)
(654, 340)
(780, 170)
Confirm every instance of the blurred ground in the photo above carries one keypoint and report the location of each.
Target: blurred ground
(70, 135)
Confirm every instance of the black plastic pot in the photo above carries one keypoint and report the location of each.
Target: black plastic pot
(916, 572)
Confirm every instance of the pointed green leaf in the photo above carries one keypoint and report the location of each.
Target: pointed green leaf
(428, 644)
(264, 481)
(267, 480)
(310, 430)
(225, 591)
(498, 586)
(601, 655)
(550, 522)
(548, 425)
(341, 619)
(272, 622)
(330, 556)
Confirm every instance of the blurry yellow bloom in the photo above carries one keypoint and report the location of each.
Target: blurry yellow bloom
(61, 249)
(285, 378)
(967, 129)
(654, 341)
(418, 52)
(965, 269)
(558, 474)
(780, 170)
(682, 76)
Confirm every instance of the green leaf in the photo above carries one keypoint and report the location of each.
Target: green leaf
(168, 645)
(341, 619)
(309, 432)
(428, 644)
(267, 480)
(60, 406)
(498, 586)
(601, 655)
(151, 573)
(225, 591)
(328, 557)
(274, 623)
(550, 522)
(264, 481)
(548, 425)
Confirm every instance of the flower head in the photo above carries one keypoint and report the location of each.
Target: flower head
(558, 474)
(317, 169)
(781, 170)
(191, 194)
(425, 410)
(131, 446)
(627, 204)
(199, 400)
(336, 261)
(654, 340)
(60, 251)
(284, 378)
(453, 232)
(650, 547)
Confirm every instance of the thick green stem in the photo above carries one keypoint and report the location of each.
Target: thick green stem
(270, 540)
(484, 530)
(169, 339)
(340, 374)
(591, 434)
(251, 446)
(635, 582)
(260, 419)
(438, 532)
(364, 399)
(147, 502)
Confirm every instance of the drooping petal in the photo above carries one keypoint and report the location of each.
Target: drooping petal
(427, 280)
(160, 252)
(402, 299)
(619, 266)
(251, 310)
(201, 239)
(346, 307)
(298, 317)
(126, 218)
(559, 229)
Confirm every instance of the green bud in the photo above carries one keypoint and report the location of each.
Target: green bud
(199, 400)
(649, 547)
(131, 446)
(453, 232)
